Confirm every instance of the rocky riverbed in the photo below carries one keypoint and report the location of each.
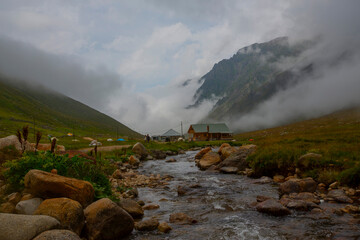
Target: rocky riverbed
(233, 206)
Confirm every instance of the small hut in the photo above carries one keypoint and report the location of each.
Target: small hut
(171, 135)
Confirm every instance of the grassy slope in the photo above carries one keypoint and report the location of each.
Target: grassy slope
(54, 113)
(335, 136)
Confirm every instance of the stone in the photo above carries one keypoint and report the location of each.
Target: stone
(134, 161)
(334, 185)
(106, 220)
(181, 218)
(264, 180)
(48, 185)
(131, 207)
(308, 160)
(28, 207)
(147, 225)
(171, 160)
(301, 205)
(209, 159)
(224, 145)
(158, 154)
(226, 152)
(150, 207)
(351, 209)
(298, 185)
(7, 207)
(339, 195)
(68, 212)
(262, 198)
(164, 227)
(14, 198)
(27, 196)
(30, 226)
(305, 196)
(272, 207)
(57, 235)
(238, 158)
(139, 149)
(117, 174)
(229, 170)
(202, 152)
(279, 178)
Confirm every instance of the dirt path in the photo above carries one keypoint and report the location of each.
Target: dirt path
(105, 148)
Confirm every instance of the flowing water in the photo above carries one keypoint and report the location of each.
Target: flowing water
(223, 206)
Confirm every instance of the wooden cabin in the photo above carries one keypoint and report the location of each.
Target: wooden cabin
(208, 132)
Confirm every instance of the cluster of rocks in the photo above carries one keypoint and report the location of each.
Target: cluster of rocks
(143, 154)
(295, 194)
(227, 159)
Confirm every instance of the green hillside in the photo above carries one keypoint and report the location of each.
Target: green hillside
(52, 113)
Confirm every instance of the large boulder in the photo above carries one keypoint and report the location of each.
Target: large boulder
(134, 161)
(48, 185)
(13, 141)
(57, 234)
(339, 195)
(7, 207)
(47, 147)
(209, 159)
(202, 152)
(158, 154)
(28, 207)
(25, 227)
(106, 220)
(69, 212)
(140, 150)
(238, 158)
(308, 160)
(272, 207)
(296, 185)
(132, 207)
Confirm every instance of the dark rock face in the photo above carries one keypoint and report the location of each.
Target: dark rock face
(272, 207)
(158, 154)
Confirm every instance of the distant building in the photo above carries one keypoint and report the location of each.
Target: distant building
(208, 132)
(170, 135)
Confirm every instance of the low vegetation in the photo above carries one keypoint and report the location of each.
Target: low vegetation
(336, 137)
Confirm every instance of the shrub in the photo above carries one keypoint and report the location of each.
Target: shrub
(328, 176)
(75, 167)
(350, 177)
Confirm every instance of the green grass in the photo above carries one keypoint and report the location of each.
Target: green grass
(336, 137)
(52, 113)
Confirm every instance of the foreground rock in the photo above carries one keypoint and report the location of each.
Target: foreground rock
(208, 160)
(132, 207)
(13, 141)
(296, 185)
(140, 150)
(30, 226)
(106, 220)
(48, 185)
(68, 212)
(229, 169)
(272, 207)
(181, 218)
(238, 158)
(227, 151)
(57, 235)
(147, 225)
(28, 207)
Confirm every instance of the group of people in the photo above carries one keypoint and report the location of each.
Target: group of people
(147, 138)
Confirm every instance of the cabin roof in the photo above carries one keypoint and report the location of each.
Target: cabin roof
(213, 128)
(171, 133)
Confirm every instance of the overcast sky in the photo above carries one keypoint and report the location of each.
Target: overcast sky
(128, 58)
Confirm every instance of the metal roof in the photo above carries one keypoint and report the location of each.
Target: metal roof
(213, 128)
(171, 133)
